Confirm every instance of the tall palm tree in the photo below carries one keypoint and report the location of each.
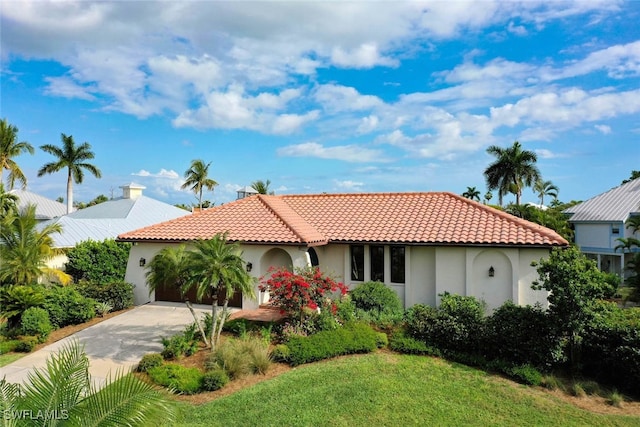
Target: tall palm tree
(513, 169)
(10, 148)
(262, 187)
(197, 179)
(545, 188)
(64, 391)
(25, 250)
(472, 193)
(74, 159)
(217, 265)
(487, 197)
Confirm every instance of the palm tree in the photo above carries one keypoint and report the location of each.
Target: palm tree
(487, 197)
(633, 223)
(513, 169)
(8, 202)
(472, 194)
(626, 244)
(74, 159)
(197, 179)
(545, 188)
(262, 187)
(9, 149)
(25, 250)
(65, 392)
(217, 265)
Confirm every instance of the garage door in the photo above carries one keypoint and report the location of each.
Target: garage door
(173, 294)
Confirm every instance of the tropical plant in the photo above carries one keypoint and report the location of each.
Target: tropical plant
(74, 159)
(25, 249)
(633, 223)
(10, 148)
(634, 175)
(8, 202)
(545, 188)
(472, 193)
(487, 197)
(262, 187)
(216, 265)
(197, 179)
(513, 169)
(65, 392)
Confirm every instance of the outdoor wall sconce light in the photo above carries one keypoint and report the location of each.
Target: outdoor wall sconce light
(249, 267)
(492, 271)
(143, 262)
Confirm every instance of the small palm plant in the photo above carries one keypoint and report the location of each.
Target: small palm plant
(63, 394)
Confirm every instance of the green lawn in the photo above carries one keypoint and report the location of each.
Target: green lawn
(390, 390)
(5, 359)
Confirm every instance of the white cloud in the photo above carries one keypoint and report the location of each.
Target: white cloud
(543, 153)
(604, 129)
(347, 153)
(366, 55)
(348, 185)
(67, 88)
(163, 173)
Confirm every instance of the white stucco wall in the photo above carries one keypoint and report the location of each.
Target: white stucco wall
(593, 235)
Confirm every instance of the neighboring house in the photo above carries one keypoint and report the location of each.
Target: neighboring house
(46, 209)
(419, 244)
(600, 221)
(108, 219)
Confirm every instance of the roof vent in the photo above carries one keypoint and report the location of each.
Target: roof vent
(246, 192)
(132, 190)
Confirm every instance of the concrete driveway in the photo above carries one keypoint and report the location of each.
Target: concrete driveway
(116, 343)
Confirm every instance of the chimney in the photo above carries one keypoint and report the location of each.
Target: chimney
(132, 190)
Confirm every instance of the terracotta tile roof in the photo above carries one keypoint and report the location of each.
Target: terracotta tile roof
(316, 219)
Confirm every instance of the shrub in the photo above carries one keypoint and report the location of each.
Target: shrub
(281, 353)
(381, 340)
(178, 345)
(377, 297)
(14, 300)
(103, 308)
(240, 357)
(117, 294)
(8, 346)
(66, 306)
(149, 361)
(352, 338)
(26, 344)
(615, 399)
(35, 321)
(522, 335)
(179, 378)
(98, 261)
(214, 380)
(526, 374)
(408, 345)
(387, 321)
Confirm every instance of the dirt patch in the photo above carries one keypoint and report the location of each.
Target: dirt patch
(599, 404)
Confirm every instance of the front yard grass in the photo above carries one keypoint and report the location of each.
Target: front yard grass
(391, 389)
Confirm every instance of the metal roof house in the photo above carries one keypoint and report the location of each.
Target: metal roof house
(600, 221)
(46, 209)
(107, 220)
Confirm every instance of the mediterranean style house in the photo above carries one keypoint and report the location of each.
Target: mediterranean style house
(419, 244)
(600, 221)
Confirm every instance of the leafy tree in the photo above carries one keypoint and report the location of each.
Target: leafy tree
(487, 197)
(472, 193)
(634, 175)
(197, 179)
(101, 262)
(545, 188)
(65, 388)
(217, 265)
(262, 187)
(99, 199)
(513, 169)
(575, 284)
(8, 202)
(73, 158)
(10, 148)
(25, 250)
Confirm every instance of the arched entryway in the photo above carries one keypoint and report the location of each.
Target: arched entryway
(271, 260)
(492, 278)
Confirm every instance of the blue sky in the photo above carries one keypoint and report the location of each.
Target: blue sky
(324, 96)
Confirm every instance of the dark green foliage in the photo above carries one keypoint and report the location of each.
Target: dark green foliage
(100, 262)
(281, 353)
(214, 380)
(455, 326)
(526, 374)
(241, 327)
(179, 345)
(352, 338)
(179, 378)
(26, 344)
(522, 335)
(14, 300)
(610, 350)
(403, 343)
(149, 361)
(375, 296)
(66, 306)
(119, 295)
(35, 321)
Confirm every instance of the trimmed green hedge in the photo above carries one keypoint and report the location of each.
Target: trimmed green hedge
(352, 338)
(179, 378)
(66, 306)
(119, 295)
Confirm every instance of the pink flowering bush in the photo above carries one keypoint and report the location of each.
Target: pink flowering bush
(304, 292)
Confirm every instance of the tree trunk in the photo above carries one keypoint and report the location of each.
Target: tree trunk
(222, 318)
(193, 313)
(69, 193)
(214, 321)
